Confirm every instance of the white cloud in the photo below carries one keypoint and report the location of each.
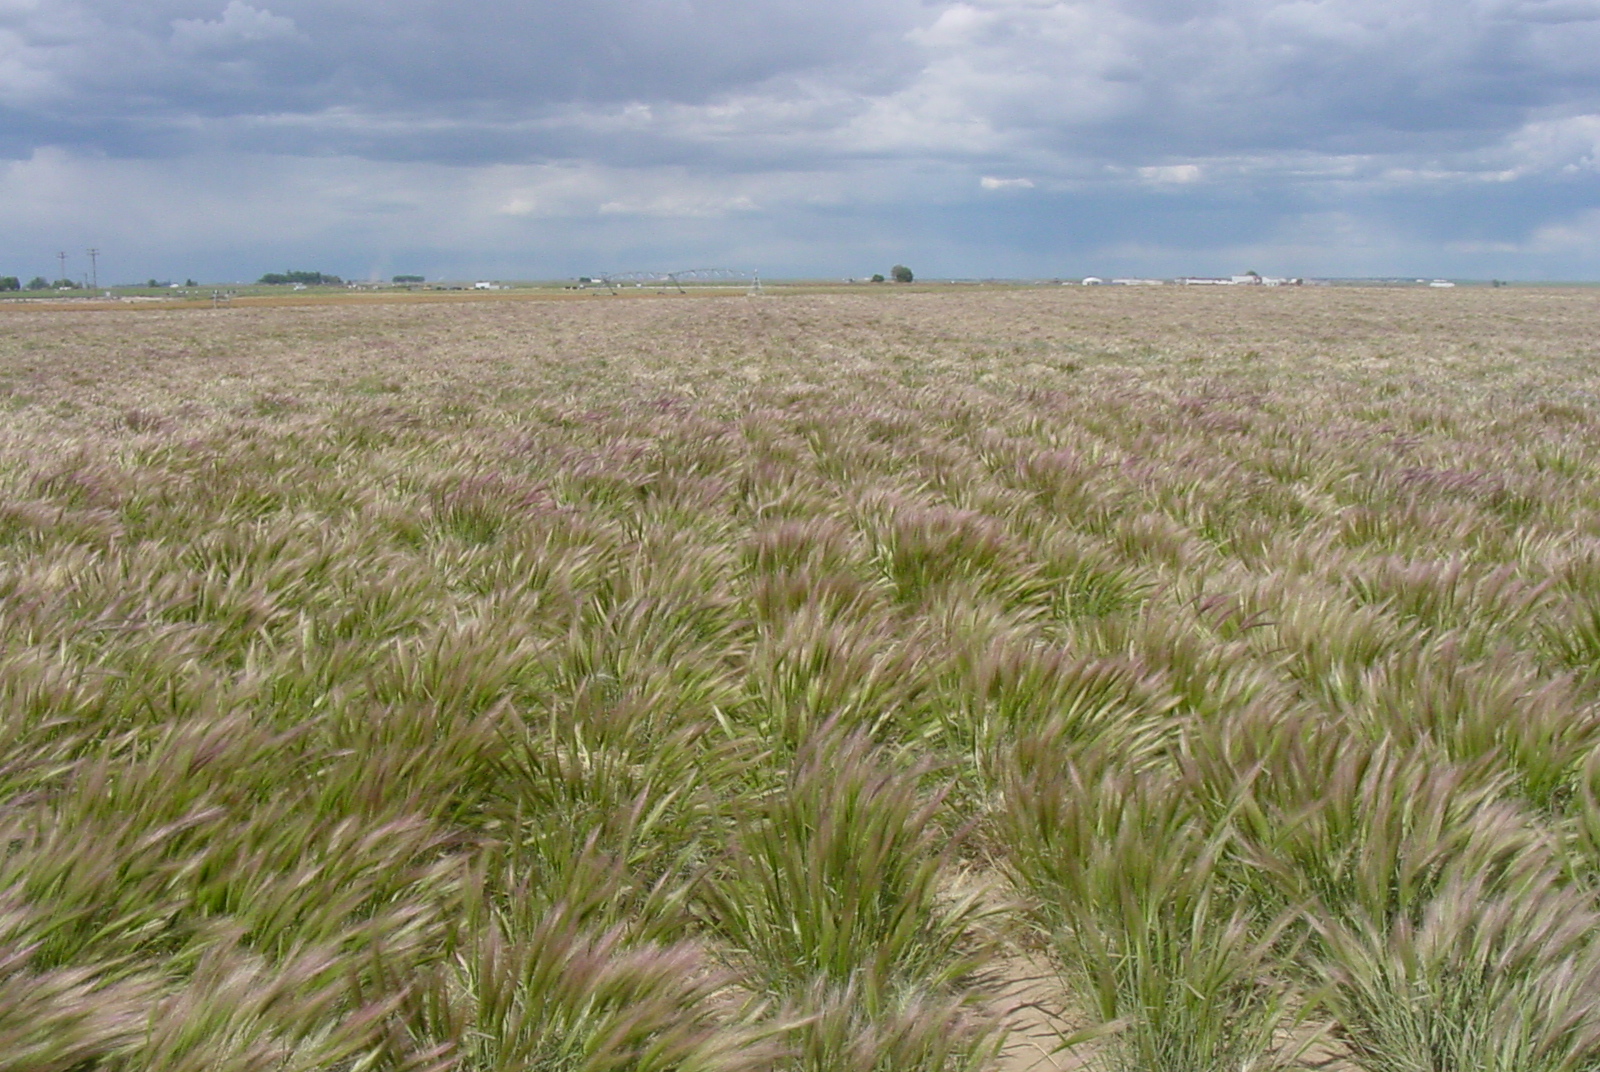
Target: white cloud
(989, 182)
(1578, 234)
(22, 77)
(1570, 145)
(684, 204)
(240, 24)
(1171, 174)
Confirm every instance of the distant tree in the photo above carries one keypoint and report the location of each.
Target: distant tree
(190, 283)
(901, 274)
(877, 277)
(408, 279)
(10, 282)
(151, 283)
(64, 284)
(38, 282)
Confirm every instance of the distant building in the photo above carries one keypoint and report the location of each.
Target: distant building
(1092, 281)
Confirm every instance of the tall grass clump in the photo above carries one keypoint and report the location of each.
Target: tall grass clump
(534, 986)
(62, 1019)
(1175, 964)
(1364, 834)
(1496, 974)
(1439, 931)
(835, 901)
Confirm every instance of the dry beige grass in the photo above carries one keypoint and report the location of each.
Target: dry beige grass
(198, 364)
(1371, 327)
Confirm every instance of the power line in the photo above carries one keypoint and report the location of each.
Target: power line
(94, 269)
(62, 257)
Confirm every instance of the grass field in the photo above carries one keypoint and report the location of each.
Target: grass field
(714, 684)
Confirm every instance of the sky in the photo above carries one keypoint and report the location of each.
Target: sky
(522, 139)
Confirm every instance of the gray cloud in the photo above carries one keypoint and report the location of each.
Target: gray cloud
(424, 54)
(1133, 82)
(1265, 119)
(240, 27)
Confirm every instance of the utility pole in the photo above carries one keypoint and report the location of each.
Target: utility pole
(94, 269)
(62, 257)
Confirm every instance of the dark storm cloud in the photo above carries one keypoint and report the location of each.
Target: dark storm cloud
(1124, 81)
(495, 60)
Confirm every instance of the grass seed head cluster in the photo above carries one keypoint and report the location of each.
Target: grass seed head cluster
(720, 684)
